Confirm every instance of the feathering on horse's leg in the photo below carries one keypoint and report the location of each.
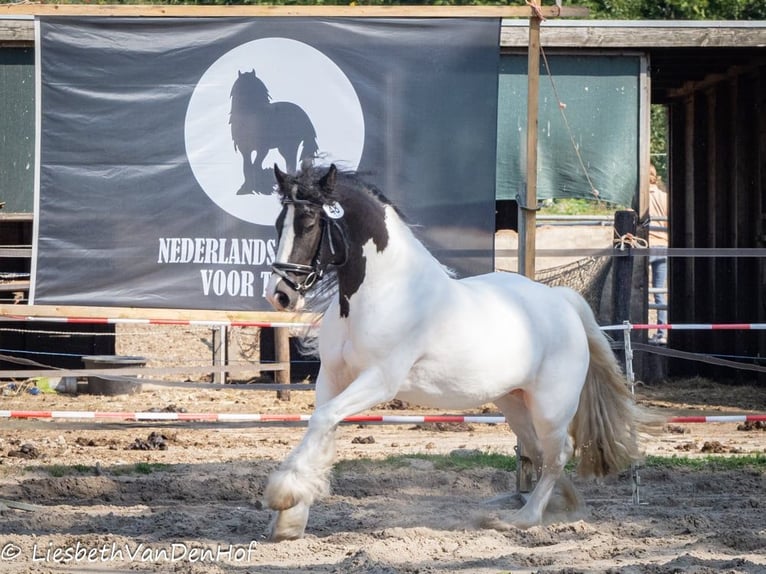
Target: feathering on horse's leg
(519, 419)
(546, 408)
(565, 502)
(514, 408)
(557, 450)
(302, 477)
(289, 524)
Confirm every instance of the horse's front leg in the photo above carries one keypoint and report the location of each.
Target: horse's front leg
(302, 477)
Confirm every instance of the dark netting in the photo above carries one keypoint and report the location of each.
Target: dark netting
(586, 276)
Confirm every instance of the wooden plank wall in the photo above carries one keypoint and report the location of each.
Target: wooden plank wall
(718, 199)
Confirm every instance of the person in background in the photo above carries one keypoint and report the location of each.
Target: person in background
(658, 238)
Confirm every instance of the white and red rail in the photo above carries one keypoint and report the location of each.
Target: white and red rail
(285, 418)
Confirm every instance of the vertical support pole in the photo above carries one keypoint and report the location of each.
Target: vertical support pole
(691, 339)
(220, 353)
(282, 355)
(525, 470)
(628, 349)
(528, 201)
(630, 374)
(625, 224)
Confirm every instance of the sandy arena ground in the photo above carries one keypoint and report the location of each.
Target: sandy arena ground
(186, 497)
(196, 505)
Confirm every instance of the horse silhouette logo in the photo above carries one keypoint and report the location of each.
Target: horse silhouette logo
(242, 96)
(259, 125)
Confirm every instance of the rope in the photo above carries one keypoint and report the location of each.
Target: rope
(562, 107)
(628, 240)
(537, 10)
(702, 358)
(70, 333)
(523, 204)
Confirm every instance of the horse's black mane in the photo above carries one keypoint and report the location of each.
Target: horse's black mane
(308, 190)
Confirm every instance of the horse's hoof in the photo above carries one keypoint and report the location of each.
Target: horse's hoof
(289, 524)
(490, 522)
(277, 534)
(510, 521)
(245, 190)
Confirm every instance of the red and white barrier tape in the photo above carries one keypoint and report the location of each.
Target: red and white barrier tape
(718, 419)
(127, 321)
(211, 323)
(279, 418)
(690, 326)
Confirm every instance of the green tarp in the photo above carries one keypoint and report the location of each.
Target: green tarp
(601, 95)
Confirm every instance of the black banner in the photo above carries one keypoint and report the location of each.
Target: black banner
(157, 139)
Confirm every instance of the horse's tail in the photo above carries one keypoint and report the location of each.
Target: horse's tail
(607, 423)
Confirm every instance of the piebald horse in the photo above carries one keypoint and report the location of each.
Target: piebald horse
(398, 325)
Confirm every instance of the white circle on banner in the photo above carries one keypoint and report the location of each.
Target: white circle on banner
(306, 86)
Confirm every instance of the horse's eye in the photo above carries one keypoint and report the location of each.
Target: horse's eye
(307, 222)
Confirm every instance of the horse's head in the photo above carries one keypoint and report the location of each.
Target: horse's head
(311, 235)
(248, 88)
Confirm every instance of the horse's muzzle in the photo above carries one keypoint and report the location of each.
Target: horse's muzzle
(281, 301)
(282, 297)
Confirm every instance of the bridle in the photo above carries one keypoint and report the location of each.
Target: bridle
(311, 274)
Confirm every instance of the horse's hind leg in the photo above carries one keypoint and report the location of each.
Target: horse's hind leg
(547, 442)
(557, 449)
(519, 419)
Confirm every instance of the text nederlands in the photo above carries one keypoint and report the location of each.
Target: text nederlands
(219, 252)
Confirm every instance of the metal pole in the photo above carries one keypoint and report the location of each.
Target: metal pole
(631, 375)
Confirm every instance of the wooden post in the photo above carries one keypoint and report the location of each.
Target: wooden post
(528, 200)
(625, 222)
(282, 355)
(220, 353)
(525, 469)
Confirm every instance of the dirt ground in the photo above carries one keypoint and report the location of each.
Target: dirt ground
(195, 505)
(187, 497)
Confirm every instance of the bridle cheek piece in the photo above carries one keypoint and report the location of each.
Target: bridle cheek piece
(314, 272)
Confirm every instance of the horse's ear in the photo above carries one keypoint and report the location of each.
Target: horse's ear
(327, 183)
(280, 175)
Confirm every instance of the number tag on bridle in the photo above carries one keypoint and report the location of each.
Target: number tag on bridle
(333, 210)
